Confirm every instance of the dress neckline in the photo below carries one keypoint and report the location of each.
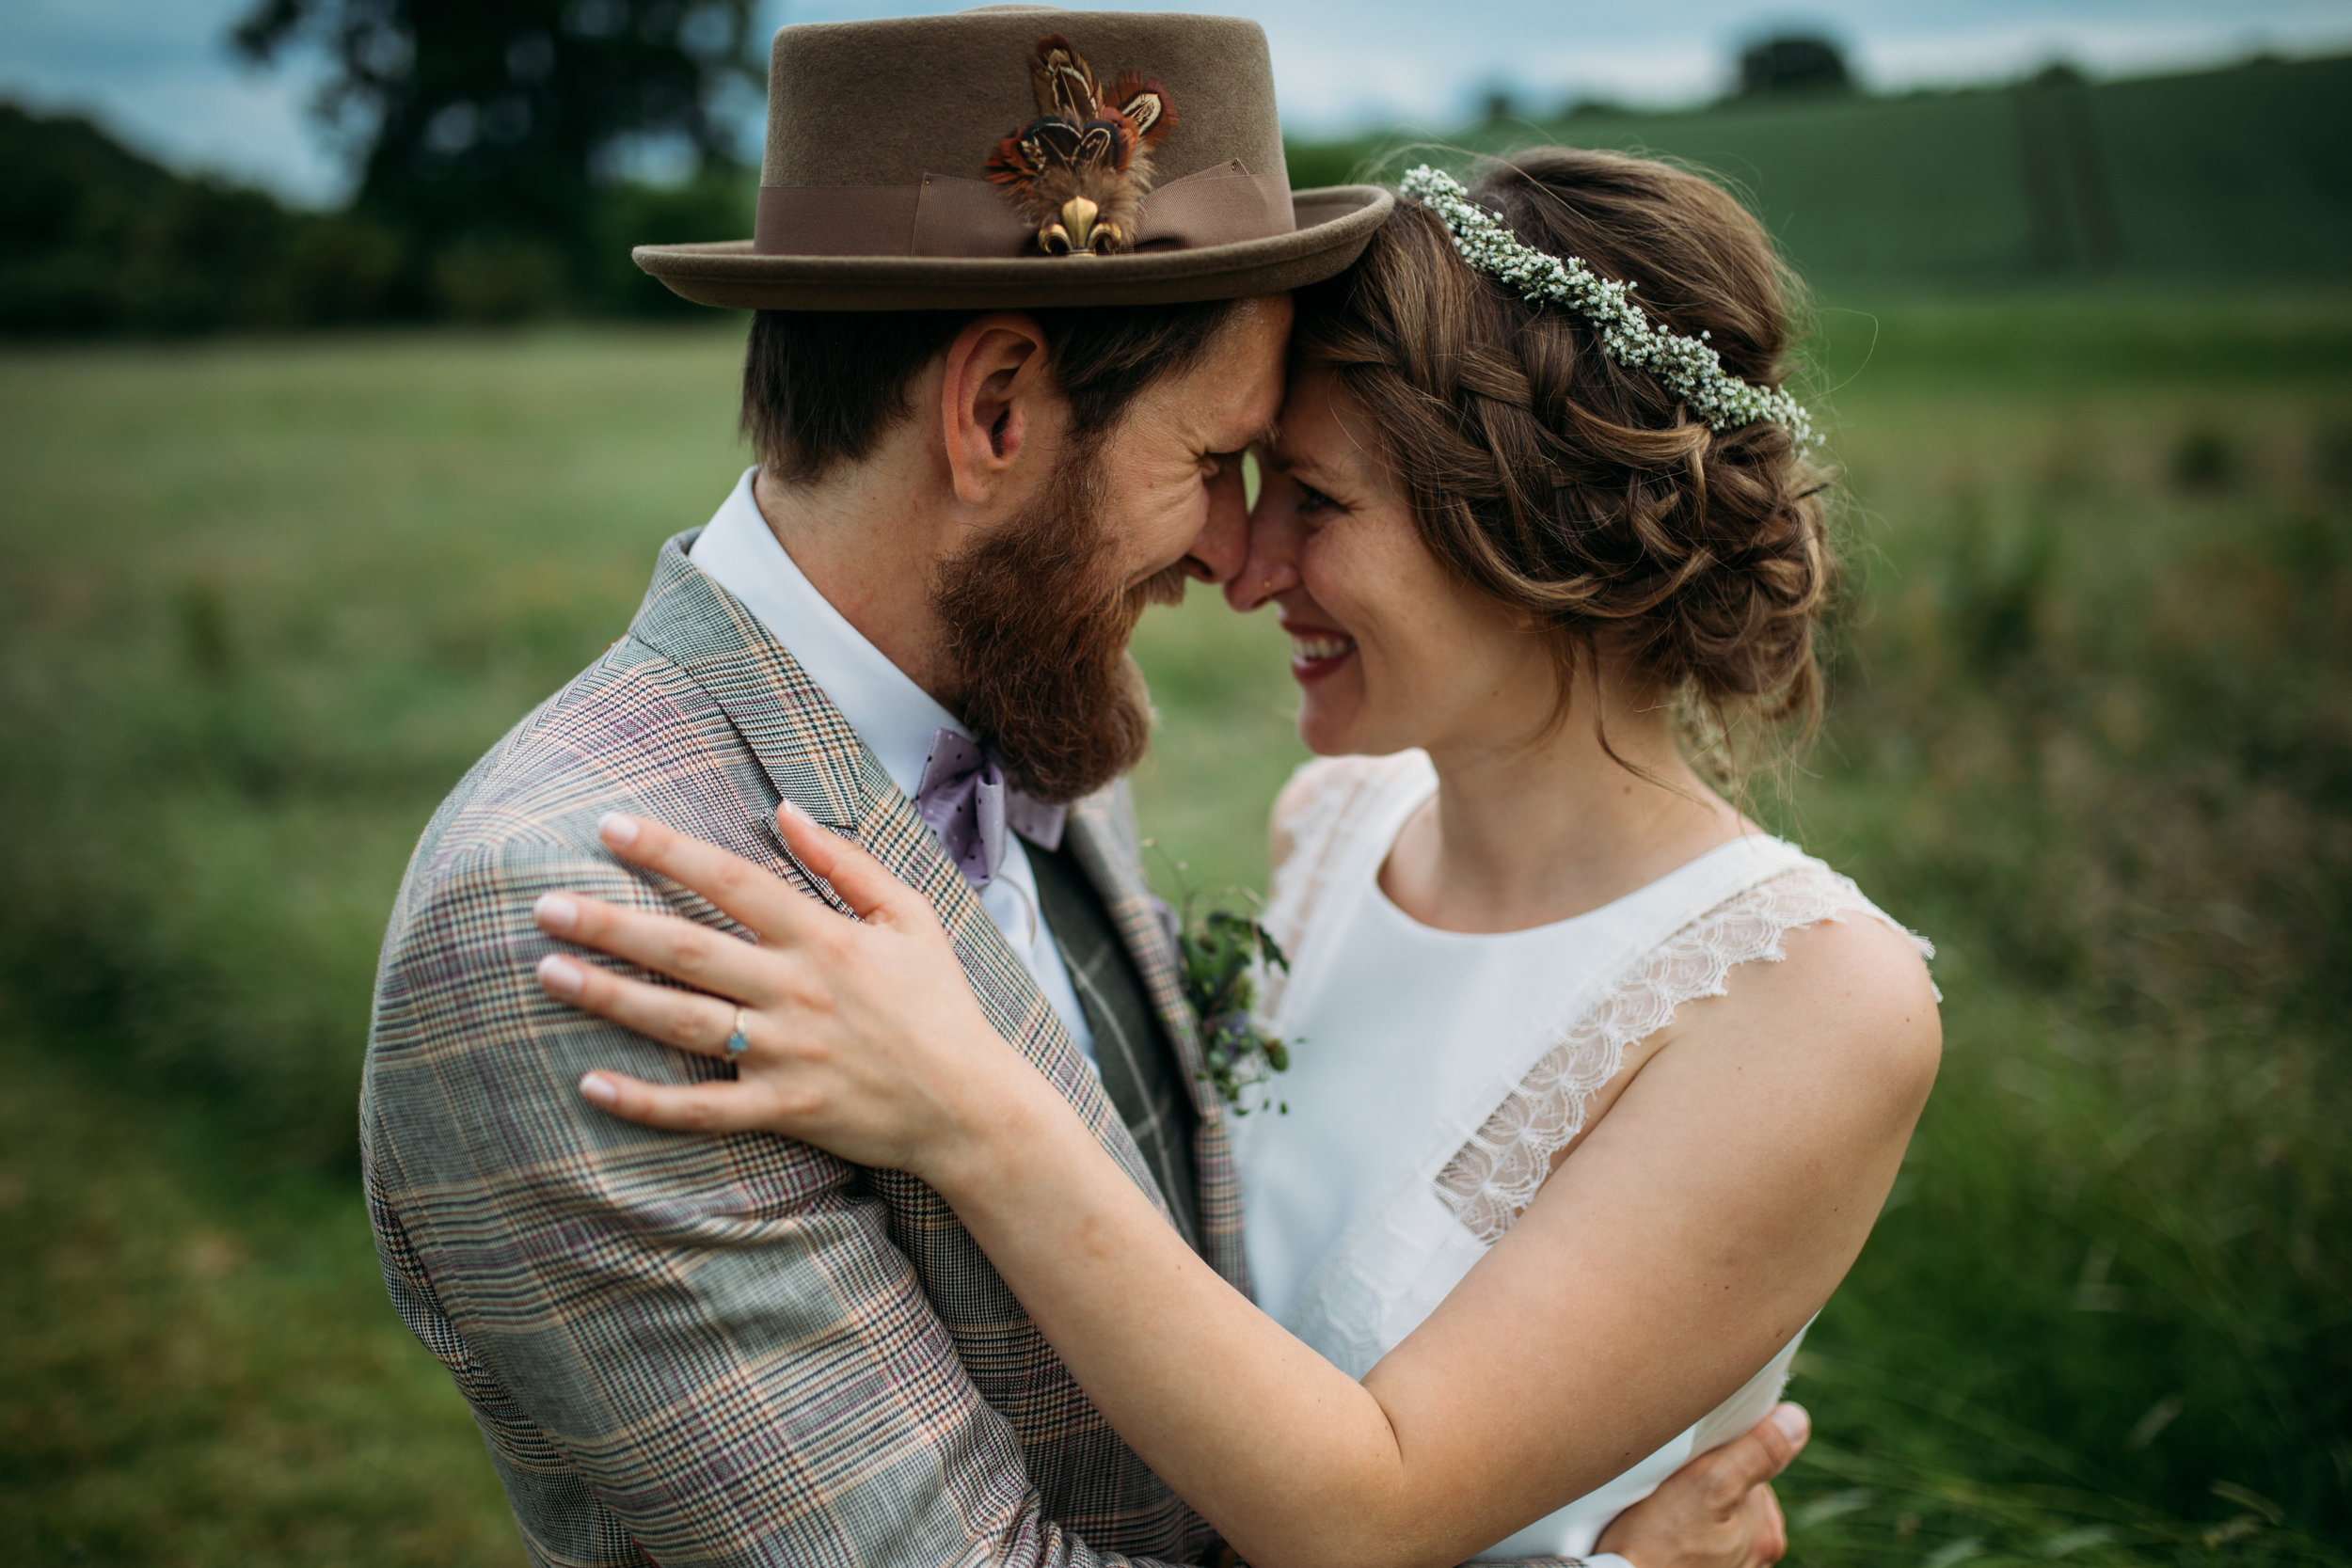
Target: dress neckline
(1395, 913)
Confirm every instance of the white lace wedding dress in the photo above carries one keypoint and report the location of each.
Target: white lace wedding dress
(1435, 1074)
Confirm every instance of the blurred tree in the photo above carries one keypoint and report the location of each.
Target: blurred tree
(490, 125)
(1796, 62)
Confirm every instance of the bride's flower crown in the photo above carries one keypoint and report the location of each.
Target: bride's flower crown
(1686, 366)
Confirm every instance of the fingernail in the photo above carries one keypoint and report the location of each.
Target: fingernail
(792, 808)
(1793, 1423)
(597, 1087)
(561, 976)
(555, 912)
(616, 830)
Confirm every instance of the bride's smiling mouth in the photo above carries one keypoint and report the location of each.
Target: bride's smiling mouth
(1316, 652)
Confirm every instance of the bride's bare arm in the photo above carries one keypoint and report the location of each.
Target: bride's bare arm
(1700, 1225)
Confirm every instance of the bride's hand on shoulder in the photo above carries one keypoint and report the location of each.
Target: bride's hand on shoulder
(861, 1037)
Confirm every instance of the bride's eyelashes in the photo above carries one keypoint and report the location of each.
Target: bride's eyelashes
(1312, 502)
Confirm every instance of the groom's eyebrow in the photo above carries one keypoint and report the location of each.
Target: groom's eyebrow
(1259, 441)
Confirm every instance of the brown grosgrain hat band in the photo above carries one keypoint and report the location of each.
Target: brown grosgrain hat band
(923, 204)
(942, 215)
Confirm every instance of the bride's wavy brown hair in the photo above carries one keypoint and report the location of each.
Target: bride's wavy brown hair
(1578, 490)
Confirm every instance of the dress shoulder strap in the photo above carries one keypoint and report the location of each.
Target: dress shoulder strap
(1495, 1176)
(1325, 810)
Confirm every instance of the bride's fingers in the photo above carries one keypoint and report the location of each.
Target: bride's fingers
(703, 958)
(752, 895)
(863, 882)
(702, 1024)
(720, 1107)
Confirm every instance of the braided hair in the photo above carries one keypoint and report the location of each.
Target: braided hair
(1577, 490)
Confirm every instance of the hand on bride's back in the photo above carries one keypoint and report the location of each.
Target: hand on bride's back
(859, 1035)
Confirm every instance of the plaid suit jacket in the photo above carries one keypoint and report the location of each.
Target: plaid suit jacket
(732, 1350)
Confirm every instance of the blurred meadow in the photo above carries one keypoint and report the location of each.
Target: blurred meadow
(263, 603)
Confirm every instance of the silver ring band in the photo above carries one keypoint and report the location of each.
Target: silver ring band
(737, 1041)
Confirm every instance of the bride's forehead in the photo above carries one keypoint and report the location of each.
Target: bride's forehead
(1320, 425)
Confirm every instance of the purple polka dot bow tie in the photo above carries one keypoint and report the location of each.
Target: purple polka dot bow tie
(969, 801)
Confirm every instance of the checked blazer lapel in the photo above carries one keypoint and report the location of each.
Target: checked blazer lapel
(1102, 836)
(811, 755)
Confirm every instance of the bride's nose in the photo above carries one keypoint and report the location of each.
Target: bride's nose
(1272, 565)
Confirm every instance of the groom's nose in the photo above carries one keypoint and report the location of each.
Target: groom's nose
(1222, 545)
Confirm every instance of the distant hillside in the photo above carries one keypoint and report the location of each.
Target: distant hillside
(2242, 174)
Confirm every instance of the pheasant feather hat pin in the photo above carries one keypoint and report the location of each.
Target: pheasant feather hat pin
(1081, 169)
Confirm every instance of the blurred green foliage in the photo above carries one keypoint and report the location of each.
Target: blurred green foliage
(95, 239)
(2091, 731)
(261, 604)
(496, 126)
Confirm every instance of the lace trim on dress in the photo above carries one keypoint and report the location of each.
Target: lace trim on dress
(1490, 1182)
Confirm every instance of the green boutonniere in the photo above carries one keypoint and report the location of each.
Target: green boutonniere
(1220, 952)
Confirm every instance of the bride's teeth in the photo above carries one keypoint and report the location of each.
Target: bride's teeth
(1307, 649)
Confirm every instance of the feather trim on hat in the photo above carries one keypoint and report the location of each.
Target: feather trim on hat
(1081, 169)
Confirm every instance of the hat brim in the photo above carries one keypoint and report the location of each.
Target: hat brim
(1334, 223)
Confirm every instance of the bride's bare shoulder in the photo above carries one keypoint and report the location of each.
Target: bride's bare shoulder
(1850, 1001)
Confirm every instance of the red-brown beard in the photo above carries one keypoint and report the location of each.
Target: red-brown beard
(1036, 626)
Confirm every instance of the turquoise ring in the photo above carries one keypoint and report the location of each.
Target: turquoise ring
(738, 1042)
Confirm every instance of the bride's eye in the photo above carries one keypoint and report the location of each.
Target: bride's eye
(1312, 501)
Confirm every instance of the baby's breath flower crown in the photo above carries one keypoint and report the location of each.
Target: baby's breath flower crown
(1687, 367)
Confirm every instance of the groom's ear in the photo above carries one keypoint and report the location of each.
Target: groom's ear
(996, 398)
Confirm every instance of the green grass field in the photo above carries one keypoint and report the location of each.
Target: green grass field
(261, 603)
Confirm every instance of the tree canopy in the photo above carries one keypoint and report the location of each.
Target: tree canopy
(1795, 62)
(483, 121)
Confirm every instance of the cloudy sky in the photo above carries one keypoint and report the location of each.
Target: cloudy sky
(159, 74)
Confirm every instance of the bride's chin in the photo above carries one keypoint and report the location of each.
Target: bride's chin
(1328, 728)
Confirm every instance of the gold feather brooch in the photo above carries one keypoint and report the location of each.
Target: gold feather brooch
(1080, 170)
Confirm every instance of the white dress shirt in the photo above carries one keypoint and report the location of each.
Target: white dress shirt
(892, 715)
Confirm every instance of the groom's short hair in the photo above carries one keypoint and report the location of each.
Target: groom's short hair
(822, 387)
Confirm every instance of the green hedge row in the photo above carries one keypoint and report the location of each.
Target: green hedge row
(95, 239)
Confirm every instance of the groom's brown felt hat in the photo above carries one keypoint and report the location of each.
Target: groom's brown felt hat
(873, 194)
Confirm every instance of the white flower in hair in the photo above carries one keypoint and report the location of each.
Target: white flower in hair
(1687, 367)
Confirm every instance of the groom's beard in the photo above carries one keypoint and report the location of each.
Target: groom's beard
(1037, 629)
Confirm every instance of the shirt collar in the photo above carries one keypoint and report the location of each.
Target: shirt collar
(894, 716)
